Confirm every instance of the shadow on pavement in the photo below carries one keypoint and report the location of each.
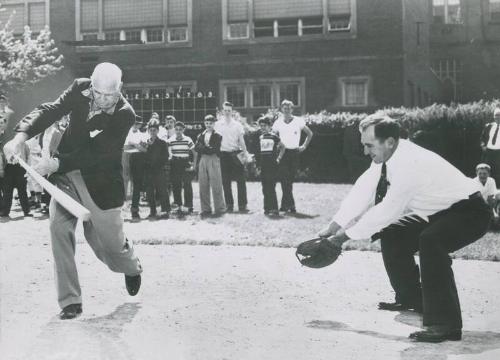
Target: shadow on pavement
(299, 215)
(473, 342)
(86, 337)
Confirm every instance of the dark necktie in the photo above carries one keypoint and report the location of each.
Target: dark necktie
(495, 135)
(382, 185)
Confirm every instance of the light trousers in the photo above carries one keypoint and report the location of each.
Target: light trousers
(210, 178)
(103, 232)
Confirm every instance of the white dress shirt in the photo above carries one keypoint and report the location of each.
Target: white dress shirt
(420, 182)
(231, 132)
(134, 138)
(488, 189)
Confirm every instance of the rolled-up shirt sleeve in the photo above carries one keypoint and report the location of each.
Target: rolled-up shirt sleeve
(399, 194)
(360, 198)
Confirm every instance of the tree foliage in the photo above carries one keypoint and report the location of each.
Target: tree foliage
(26, 59)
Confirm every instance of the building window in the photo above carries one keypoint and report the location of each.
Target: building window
(261, 96)
(236, 95)
(495, 10)
(180, 99)
(450, 71)
(245, 19)
(29, 12)
(145, 21)
(354, 91)
(89, 37)
(252, 97)
(447, 12)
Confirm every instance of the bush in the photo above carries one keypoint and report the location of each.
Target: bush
(336, 155)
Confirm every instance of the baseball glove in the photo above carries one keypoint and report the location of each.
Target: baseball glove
(318, 253)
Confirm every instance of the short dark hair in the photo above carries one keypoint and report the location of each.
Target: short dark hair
(264, 120)
(153, 123)
(180, 124)
(227, 103)
(210, 118)
(385, 127)
(170, 117)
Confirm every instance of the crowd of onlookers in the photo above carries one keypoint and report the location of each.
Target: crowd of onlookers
(160, 163)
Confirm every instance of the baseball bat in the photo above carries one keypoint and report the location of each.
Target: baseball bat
(60, 196)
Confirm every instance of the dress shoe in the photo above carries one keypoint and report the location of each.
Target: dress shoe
(70, 312)
(293, 210)
(436, 334)
(399, 307)
(230, 208)
(133, 284)
(164, 216)
(243, 210)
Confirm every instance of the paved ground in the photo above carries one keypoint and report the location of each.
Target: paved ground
(223, 302)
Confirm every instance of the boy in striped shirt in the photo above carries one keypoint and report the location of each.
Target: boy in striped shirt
(270, 152)
(181, 150)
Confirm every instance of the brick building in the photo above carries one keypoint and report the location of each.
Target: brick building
(465, 51)
(187, 56)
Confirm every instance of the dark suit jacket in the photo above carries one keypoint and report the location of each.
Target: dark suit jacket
(214, 142)
(98, 157)
(157, 156)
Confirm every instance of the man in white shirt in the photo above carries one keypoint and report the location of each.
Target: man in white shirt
(289, 128)
(413, 200)
(136, 147)
(487, 185)
(233, 143)
(490, 143)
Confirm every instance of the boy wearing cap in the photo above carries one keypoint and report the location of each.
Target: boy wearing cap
(209, 172)
(181, 148)
(269, 154)
(156, 158)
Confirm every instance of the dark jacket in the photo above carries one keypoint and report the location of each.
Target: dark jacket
(98, 157)
(157, 156)
(214, 144)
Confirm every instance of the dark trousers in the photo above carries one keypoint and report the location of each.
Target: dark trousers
(14, 178)
(287, 170)
(268, 177)
(1, 195)
(447, 231)
(492, 158)
(233, 169)
(137, 172)
(156, 189)
(181, 180)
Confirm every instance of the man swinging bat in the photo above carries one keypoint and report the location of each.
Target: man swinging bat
(88, 168)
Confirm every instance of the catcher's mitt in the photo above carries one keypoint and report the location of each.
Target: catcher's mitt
(318, 253)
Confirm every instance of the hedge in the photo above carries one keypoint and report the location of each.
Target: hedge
(336, 155)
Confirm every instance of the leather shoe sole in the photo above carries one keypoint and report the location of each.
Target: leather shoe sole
(133, 284)
(437, 336)
(399, 307)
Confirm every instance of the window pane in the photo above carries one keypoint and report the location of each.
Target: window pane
(261, 95)
(339, 23)
(290, 92)
(238, 31)
(133, 35)
(177, 12)
(122, 14)
(313, 25)
(263, 28)
(336, 7)
(112, 35)
(237, 10)
(236, 95)
(288, 27)
(89, 15)
(177, 34)
(36, 16)
(277, 9)
(154, 35)
(17, 20)
(354, 92)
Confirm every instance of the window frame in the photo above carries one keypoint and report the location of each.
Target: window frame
(103, 46)
(326, 33)
(355, 79)
(26, 19)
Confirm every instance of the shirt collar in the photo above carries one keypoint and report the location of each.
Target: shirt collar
(397, 153)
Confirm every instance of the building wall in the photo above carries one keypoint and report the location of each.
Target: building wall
(467, 53)
(378, 51)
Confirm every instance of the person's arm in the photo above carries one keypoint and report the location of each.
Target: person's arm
(484, 136)
(241, 140)
(309, 136)
(281, 148)
(402, 189)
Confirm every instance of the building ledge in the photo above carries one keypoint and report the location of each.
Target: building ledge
(288, 39)
(104, 46)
